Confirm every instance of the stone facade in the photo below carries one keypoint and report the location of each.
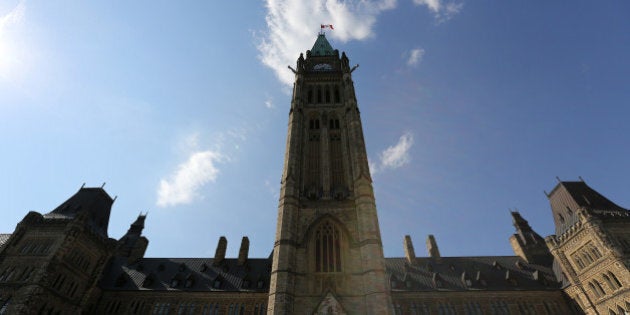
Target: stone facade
(327, 257)
(591, 247)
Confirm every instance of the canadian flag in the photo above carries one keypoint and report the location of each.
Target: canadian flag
(327, 26)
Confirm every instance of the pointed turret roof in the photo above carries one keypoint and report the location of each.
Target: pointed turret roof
(138, 225)
(322, 47)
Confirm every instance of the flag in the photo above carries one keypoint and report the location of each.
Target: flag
(328, 26)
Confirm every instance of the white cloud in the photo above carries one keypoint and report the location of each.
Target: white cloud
(183, 185)
(269, 104)
(415, 57)
(293, 25)
(442, 10)
(433, 5)
(394, 156)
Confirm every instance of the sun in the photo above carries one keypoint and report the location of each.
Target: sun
(9, 25)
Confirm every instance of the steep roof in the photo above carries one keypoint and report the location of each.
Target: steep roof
(585, 196)
(95, 203)
(506, 273)
(424, 274)
(567, 197)
(168, 274)
(322, 47)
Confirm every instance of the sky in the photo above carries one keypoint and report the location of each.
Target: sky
(470, 109)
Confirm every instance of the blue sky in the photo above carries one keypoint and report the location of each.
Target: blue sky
(469, 108)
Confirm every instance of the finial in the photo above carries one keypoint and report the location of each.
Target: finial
(82, 185)
(558, 179)
(103, 184)
(546, 194)
(581, 179)
(294, 71)
(115, 197)
(354, 68)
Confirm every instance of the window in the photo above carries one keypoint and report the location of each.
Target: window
(596, 253)
(189, 282)
(260, 310)
(612, 280)
(161, 308)
(327, 248)
(596, 287)
(313, 124)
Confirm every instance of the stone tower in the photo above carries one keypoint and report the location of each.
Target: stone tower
(52, 262)
(591, 248)
(328, 256)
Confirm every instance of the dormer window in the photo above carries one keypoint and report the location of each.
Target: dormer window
(216, 284)
(260, 284)
(148, 281)
(174, 283)
(313, 124)
(189, 282)
(561, 218)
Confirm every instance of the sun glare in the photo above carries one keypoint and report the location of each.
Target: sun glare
(9, 56)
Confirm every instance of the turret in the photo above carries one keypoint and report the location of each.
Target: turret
(133, 245)
(527, 244)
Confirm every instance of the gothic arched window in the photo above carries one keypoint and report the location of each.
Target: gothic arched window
(327, 248)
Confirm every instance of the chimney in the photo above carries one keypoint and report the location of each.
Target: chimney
(243, 251)
(432, 247)
(409, 252)
(219, 255)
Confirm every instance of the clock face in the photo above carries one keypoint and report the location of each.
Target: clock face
(322, 67)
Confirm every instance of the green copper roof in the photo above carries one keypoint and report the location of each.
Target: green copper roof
(321, 47)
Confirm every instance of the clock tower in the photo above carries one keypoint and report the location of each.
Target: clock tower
(328, 256)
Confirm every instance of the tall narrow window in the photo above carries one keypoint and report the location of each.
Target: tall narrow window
(614, 279)
(319, 95)
(336, 160)
(312, 182)
(327, 95)
(337, 100)
(327, 248)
